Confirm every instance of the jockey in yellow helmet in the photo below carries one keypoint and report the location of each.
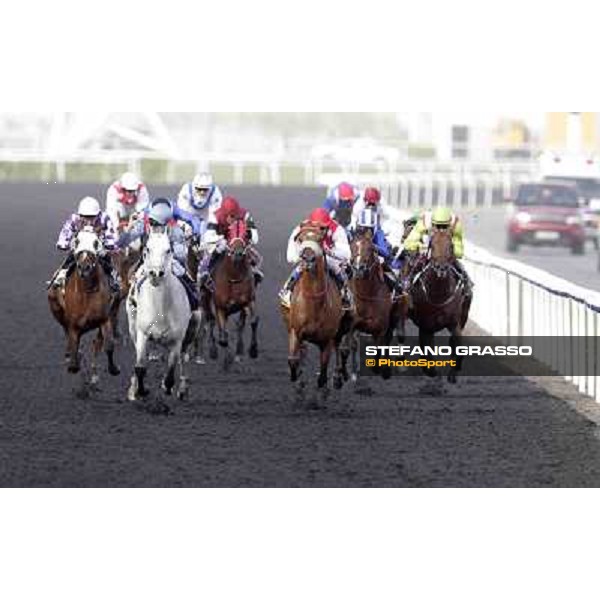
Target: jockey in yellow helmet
(440, 218)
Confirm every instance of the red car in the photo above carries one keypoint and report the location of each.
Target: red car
(546, 214)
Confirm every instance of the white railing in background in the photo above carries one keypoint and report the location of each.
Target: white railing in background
(406, 182)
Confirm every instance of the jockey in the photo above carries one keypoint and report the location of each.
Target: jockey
(341, 199)
(88, 214)
(441, 218)
(337, 252)
(410, 223)
(215, 239)
(369, 220)
(161, 214)
(125, 198)
(201, 198)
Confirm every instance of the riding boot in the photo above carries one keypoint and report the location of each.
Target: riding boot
(113, 277)
(258, 275)
(464, 276)
(285, 295)
(192, 293)
(342, 283)
(205, 270)
(59, 279)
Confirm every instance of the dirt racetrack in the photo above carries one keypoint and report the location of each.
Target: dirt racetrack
(243, 429)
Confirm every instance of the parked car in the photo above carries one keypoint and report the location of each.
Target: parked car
(546, 214)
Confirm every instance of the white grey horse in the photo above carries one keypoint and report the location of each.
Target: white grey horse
(160, 313)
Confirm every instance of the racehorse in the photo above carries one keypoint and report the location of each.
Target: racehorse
(126, 262)
(234, 291)
(315, 314)
(374, 313)
(161, 314)
(438, 297)
(85, 304)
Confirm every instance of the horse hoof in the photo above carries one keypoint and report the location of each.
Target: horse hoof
(237, 359)
(73, 369)
(452, 379)
(114, 370)
(354, 377)
(199, 360)
(338, 383)
(213, 353)
(253, 352)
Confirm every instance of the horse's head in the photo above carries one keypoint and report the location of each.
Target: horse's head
(237, 246)
(311, 239)
(86, 249)
(441, 250)
(364, 255)
(158, 256)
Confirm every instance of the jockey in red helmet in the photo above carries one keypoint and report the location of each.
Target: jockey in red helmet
(337, 253)
(340, 201)
(215, 239)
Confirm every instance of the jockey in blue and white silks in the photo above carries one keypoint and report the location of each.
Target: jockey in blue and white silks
(368, 219)
(163, 214)
(201, 198)
(88, 214)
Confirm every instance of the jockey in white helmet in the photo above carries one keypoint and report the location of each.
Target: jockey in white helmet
(88, 214)
(126, 197)
(201, 198)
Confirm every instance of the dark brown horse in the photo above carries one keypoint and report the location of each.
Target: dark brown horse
(85, 304)
(375, 313)
(234, 293)
(315, 314)
(438, 297)
(126, 262)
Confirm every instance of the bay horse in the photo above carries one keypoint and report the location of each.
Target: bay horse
(438, 297)
(161, 314)
(234, 292)
(86, 304)
(315, 314)
(374, 311)
(125, 263)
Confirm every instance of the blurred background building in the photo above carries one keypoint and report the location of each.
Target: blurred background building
(384, 141)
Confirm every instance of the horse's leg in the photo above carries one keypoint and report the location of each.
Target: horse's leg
(200, 338)
(294, 355)
(324, 360)
(173, 361)
(212, 350)
(96, 348)
(254, 320)
(241, 325)
(338, 378)
(426, 339)
(353, 336)
(455, 340)
(109, 347)
(222, 325)
(73, 350)
(137, 388)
